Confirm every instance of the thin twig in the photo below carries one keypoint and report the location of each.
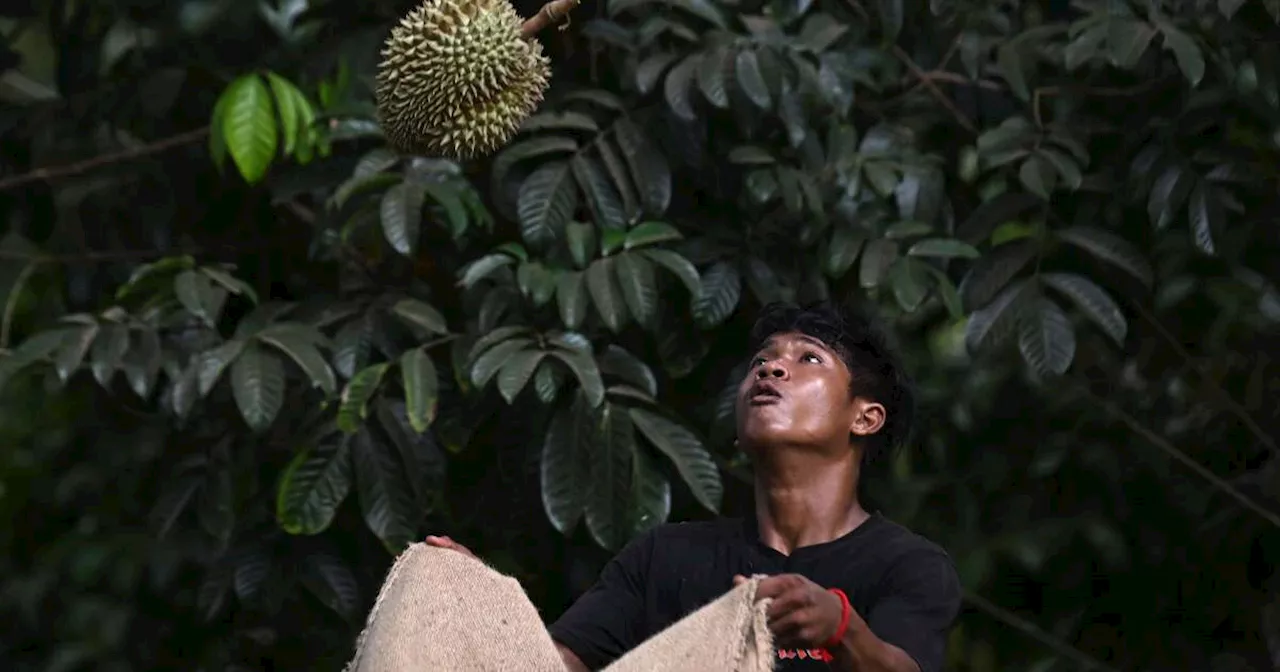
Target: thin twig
(1033, 631)
(1225, 398)
(95, 255)
(57, 172)
(1169, 449)
(942, 98)
(11, 305)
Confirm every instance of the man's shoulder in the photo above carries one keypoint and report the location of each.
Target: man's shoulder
(698, 530)
(895, 542)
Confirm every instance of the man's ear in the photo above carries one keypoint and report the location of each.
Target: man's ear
(868, 417)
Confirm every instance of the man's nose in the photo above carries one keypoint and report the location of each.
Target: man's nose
(771, 369)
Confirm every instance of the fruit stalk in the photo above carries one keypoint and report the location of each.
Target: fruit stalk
(551, 13)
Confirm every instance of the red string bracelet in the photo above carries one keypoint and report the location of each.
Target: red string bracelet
(846, 610)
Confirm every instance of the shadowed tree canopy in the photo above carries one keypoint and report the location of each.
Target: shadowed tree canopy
(247, 352)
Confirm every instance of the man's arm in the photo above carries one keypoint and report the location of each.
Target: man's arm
(608, 620)
(572, 663)
(907, 629)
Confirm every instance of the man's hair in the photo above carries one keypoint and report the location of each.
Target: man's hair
(863, 344)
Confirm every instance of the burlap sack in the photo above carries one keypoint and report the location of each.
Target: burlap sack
(440, 610)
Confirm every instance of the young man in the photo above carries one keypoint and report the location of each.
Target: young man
(851, 590)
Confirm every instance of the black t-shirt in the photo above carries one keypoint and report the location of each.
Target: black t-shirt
(903, 585)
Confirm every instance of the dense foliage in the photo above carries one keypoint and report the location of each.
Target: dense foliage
(249, 353)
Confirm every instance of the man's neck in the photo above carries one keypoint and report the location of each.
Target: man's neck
(803, 500)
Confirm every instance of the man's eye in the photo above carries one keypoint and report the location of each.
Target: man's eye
(810, 356)
(757, 362)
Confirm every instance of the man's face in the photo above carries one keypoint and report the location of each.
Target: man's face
(796, 392)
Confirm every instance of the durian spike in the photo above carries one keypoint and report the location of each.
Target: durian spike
(552, 12)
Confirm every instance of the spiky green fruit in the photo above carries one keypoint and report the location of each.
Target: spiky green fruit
(457, 78)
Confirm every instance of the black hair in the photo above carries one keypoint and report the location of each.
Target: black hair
(861, 341)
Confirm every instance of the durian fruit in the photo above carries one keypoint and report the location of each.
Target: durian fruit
(457, 78)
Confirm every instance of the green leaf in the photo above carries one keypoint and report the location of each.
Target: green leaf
(992, 324)
(711, 75)
(682, 268)
(650, 69)
(1185, 51)
(353, 406)
(619, 363)
(305, 354)
(1168, 194)
(286, 102)
(1065, 166)
(560, 121)
(751, 80)
(650, 493)
(448, 198)
(1045, 337)
(877, 259)
(385, 497)
(313, 486)
(421, 316)
(1093, 301)
(212, 363)
(332, 583)
(947, 292)
(1009, 59)
(751, 155)
(1127, 41)
(547, 381)
(605, 293)
(571, 297)
(993, 271)
(528, 149)
(248, 126)
(648, 166)
(601, 197)
(686, 452)
(490, 362)
(1111, 249)
(1085, 46)
(1204, 210)
(892, 16)
(676, 88)
(609, 487)
(566, 464)
(909, 281)
(257, 383)
(516, 372)
(639, 284)
(230, 283)
(108, 352)
(1037, 176)
(650, 233)
(945, 248)
(718, 295)
(582, 243)
(197, 293)
(482, 267)
(548, 199)
(421, 388)
(842, 251)
(75, 345)
(495, 337)
(537, 282)
(585, 370)
(401, 211)
(1230, 7)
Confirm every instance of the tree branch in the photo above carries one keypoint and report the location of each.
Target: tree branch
(50, 173)
(1113, 409)
(551, 13)
(1084, 660)
(1223, 397)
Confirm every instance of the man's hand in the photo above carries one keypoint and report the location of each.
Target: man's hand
(803, 615)
(446, 542)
